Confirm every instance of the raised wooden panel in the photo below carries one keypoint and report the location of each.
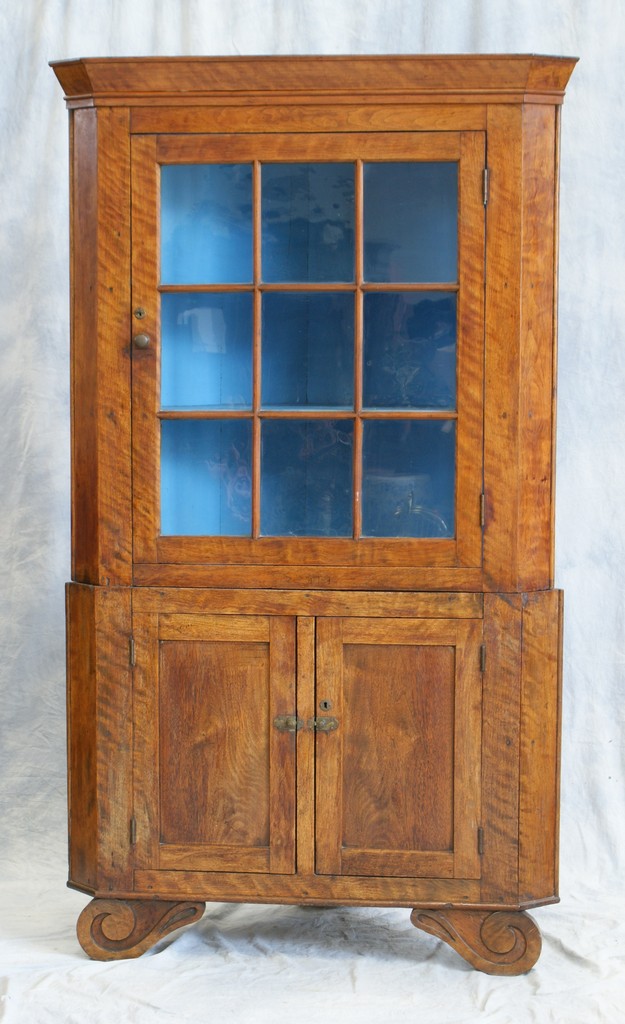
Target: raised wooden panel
(212, 699)
(223, 790)
(398, 779)
(385, 695)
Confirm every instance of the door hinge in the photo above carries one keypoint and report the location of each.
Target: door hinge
(133, 831)
(132, 655)
(480, 841)
(482, 509)
(482, 657)
(485, 185)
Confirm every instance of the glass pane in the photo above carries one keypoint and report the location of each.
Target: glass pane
(308, 349)
(408, 478)
(206, 477)
(308, 222)
(409, 350)
(410, 222)
(206, 223)
(206, 350)
(306, 478)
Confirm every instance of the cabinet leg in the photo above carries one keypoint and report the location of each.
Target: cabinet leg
(122, 929)
(495, 942)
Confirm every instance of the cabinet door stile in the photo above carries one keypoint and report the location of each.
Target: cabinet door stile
(146, 736)
(329, 748)
(282, 746)
(467, 753)
(145, 361)
(470, 381)
(306, 658)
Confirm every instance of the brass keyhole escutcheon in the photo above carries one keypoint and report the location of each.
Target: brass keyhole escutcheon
(325, 705)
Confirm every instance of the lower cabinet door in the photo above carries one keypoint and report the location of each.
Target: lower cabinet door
(396, 731)
(398, 769)
(214, 782)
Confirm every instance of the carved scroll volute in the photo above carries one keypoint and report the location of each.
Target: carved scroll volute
(123, 929)
(494, 942)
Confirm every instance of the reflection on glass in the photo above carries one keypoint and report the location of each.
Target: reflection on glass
(308, 349)
(206, 477)
(410, 222)
(409, 350)
(206, 223)
(307, 222)
(408, 478)
(206, 350)
(306, 478)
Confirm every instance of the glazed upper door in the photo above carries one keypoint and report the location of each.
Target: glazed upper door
(398, 777)
(307, 366)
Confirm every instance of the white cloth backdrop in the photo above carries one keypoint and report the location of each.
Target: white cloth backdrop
(269, 963)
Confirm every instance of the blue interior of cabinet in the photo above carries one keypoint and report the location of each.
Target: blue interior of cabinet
(206, 474)
(206, 350)
(306, 478)
(409, 357)
(408, 481)
(206, 224)
(308, 349)
(410, 222)
(307, 222)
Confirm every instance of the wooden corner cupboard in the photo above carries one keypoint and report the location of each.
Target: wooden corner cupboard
(313, 645)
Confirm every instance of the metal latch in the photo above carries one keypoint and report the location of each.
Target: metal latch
(288, 723)
(324, 724)
(291, 723)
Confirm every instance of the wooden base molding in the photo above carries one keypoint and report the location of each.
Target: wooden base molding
(494, 942)
(123, 929)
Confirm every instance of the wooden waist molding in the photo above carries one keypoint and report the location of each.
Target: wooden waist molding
(147, 81)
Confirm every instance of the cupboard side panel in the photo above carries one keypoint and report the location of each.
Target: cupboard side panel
(520, 337)
(536, 393)
(84, 325)
(100, 271)
(81, 736)
(100, 737)
(540, 743)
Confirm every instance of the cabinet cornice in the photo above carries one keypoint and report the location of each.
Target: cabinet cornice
(146, 81)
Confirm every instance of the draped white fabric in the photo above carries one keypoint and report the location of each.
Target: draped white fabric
(258, 964)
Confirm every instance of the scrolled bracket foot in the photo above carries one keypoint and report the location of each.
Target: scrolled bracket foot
(123, 929)
(495, 942)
